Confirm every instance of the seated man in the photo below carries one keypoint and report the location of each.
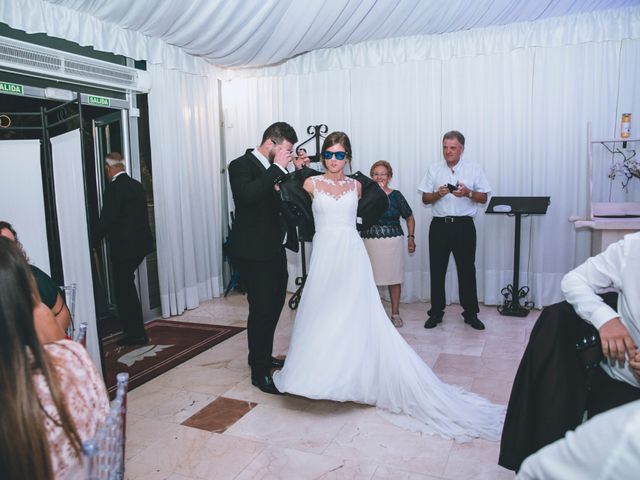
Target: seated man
(554, 386)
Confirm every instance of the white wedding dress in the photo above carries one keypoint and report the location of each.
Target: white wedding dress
(344, 348)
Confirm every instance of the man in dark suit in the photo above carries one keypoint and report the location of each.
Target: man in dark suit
(259, 234)
(124, 220)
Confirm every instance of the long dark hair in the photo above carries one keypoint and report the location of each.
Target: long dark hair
(24, 449)
(6, 225)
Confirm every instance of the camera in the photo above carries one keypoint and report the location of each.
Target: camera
(452, 188)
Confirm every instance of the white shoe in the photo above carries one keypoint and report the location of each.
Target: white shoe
(396, 320)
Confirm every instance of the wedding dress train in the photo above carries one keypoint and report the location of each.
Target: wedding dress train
(344, 348)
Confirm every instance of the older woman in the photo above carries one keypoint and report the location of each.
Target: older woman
(384, 241)
(52, 396)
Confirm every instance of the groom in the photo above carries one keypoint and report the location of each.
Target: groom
(257, 247)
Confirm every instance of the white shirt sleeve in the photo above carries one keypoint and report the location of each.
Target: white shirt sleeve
(427, 185)
(480, 183)
(597, 273)
(607, 447)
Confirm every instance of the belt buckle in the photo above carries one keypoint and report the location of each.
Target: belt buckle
(449, 219)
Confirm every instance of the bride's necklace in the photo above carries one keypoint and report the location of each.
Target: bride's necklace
(343, 181)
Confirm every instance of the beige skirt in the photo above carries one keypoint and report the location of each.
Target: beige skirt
(387, 259)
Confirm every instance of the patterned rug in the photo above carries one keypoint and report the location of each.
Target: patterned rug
(172, 343)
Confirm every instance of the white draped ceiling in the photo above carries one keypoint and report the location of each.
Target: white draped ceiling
(393, 74)
(232, 33)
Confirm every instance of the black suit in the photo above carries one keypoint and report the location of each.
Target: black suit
(124, 220)
(257, 250)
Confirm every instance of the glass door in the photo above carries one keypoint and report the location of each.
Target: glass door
(107, 138)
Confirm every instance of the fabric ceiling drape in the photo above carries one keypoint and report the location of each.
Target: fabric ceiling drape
(268, 32)
(524, 112)
(183, 121)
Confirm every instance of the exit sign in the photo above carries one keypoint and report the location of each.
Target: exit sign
(13, 88)
(99, 101)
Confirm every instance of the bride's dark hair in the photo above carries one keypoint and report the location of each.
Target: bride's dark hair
(335, 138)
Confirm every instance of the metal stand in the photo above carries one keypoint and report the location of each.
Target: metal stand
(517, 206)
(295, 298)
(512, 293)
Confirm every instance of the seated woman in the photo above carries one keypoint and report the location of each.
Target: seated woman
(48, 291)
(52, 396)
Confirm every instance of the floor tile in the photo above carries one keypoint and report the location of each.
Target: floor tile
(372, 439)
(198, 454)
(477, 460)
(219, 414)
(284, 463)
(307, 431)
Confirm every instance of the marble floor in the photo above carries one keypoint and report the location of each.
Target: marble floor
(204, 419)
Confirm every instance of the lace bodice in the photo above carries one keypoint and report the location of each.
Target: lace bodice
(335, 204)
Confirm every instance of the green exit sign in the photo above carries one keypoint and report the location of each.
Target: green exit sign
(99, 101)
(13, 88)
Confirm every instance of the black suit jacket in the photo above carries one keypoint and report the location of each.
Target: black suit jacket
(259, 227)
(124, 219)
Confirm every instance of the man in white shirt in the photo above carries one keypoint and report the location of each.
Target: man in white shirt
(617, 267)
(554, 387)
(453, 188)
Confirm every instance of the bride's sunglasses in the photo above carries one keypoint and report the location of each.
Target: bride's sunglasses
(339, 155)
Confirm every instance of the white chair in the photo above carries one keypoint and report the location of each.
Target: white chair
(70, 300)
(104, 454)
(81, 334)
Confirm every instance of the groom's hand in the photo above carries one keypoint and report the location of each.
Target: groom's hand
(283, 157)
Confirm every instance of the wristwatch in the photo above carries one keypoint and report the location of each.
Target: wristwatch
(470, 194)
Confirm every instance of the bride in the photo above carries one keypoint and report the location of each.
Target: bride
(343, 346)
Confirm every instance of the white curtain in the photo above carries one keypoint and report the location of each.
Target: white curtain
(184, 125)
(524, 112)
(22, 198)
(72, 225)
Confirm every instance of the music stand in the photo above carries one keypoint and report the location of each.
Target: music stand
(518, 206)
(295, 298)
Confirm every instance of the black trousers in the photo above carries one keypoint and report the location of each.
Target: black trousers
(455, 235)
(553, 388)
(127, 299)
(266, 286)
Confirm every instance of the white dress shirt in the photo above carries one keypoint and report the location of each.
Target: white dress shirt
(469, 173)
(607, 447)
(617, 267)
(113, 179)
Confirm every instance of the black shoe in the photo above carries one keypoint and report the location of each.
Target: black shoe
(474, 322)
(433, 321)
(130, 341)
(265, 383)
(277, 362)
